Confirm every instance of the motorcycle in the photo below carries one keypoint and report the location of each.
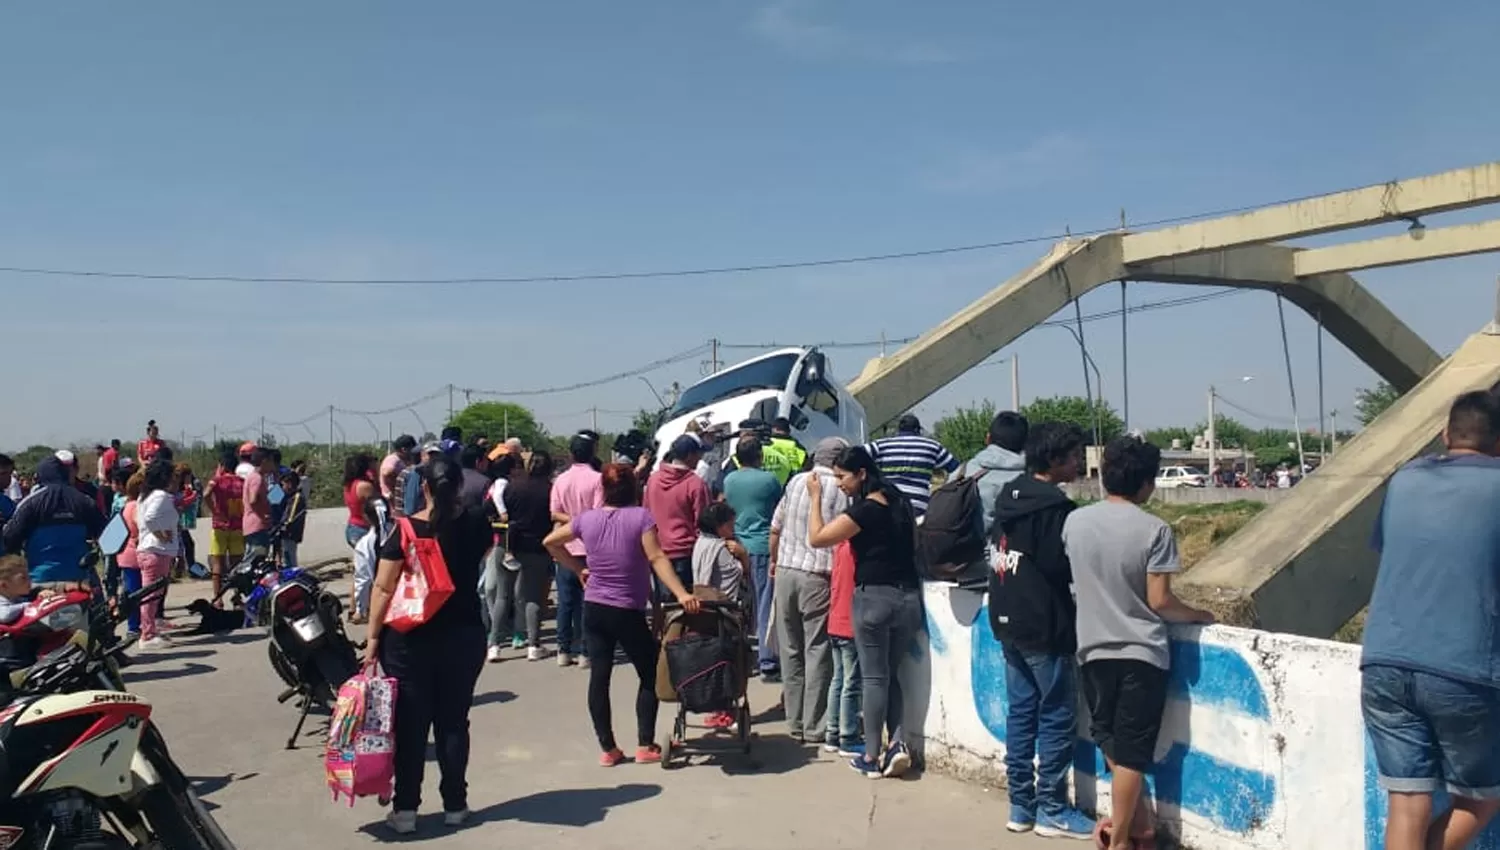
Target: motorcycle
(84, 767)
(73, 617)
(309, 648)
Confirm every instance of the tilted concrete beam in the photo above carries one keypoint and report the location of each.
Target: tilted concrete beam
(1347, 310)
(1305, 564)
(1426, 244)
(889, 386)
(1398, 199)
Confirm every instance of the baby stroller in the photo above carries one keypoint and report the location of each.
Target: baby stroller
(704, 667)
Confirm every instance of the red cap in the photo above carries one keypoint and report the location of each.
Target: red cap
(247, 448)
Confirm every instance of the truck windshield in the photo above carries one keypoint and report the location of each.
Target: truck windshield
(771, 373)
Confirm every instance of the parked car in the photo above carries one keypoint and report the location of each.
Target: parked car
(1172, 477)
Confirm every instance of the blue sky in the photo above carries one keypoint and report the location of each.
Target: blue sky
(360, 139)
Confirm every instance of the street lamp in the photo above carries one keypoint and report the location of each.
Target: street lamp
(1098, 378)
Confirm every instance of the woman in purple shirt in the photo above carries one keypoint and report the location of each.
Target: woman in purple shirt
(623, 553)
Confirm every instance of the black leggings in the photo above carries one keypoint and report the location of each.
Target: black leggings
(604, 628)
(434, 691)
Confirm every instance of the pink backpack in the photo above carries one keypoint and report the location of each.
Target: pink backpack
(360, 758)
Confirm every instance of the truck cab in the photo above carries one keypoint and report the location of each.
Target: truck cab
(796, 383)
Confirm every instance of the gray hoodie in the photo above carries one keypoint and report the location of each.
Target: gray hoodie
(1000, 466)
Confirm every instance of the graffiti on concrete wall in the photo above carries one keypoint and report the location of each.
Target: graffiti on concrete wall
(1216, 751)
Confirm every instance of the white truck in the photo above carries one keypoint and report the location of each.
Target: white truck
(796, 383)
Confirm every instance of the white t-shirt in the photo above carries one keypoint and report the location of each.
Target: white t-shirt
(244, 469)
(157, 519)
(497, 495)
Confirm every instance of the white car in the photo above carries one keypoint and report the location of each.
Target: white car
(1172, 477)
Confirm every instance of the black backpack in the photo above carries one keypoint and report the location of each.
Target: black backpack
(951, 535)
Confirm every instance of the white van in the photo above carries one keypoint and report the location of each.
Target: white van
(792, 382)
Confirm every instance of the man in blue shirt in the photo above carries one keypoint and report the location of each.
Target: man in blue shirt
(909, 460)
(53, 527)
(1430, 671)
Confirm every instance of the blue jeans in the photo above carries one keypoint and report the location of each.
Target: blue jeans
(1040, 724)
(843, 695)
(289, 554)
(130, 582)
(1432, 733)
(569, 612)
(760, 573)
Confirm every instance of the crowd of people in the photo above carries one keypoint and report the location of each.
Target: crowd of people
(823, 552)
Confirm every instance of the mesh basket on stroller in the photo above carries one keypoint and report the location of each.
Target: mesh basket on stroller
(704, 667)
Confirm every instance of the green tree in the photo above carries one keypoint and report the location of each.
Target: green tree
(1162, 437)
(1371, 402)
(964, 431)
(645, 421)
(1076, 410)
(499, 420)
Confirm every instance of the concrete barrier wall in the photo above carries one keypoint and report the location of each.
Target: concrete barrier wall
(1262, 745)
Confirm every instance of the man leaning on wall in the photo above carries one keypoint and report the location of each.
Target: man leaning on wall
(1430, 689)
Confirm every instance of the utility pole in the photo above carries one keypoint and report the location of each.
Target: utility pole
(594, 419)
(262, 437)
(882, 342)
(330, 433)
(507, 423)
(713, 356)
(450, 402)
(216, 435)
(390, 435)
(1333, 424)
(1124, 344)
(1213, 452)
(1015, 381)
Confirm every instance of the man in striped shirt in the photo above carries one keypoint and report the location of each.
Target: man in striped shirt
(909, 460)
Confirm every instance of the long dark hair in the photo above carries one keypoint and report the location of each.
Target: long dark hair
(540, 465)
(856, 459)
(357, 467)
(444, 478)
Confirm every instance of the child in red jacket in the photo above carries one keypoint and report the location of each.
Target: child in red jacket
(845, 735)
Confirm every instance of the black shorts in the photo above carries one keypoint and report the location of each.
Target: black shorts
(1125, 700)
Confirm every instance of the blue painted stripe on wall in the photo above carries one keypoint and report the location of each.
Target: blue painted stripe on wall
(1231, 797)
(1218, 676)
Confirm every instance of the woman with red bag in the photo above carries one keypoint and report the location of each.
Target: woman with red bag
(436, 664)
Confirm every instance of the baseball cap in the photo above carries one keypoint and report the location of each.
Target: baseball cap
(450, 447)
(66, 457)
(686, 445)
(432, 448)
(247, 447)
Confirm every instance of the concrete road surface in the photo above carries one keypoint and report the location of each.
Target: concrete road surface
(533, 776)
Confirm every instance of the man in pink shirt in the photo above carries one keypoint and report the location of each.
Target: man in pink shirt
(403, 452)
(257, 521)
(577, 490)
(675, 495)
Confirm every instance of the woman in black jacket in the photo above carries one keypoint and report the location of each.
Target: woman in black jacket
(528, 508)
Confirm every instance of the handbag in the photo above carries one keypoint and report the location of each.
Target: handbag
(360, 758)
(425, 582)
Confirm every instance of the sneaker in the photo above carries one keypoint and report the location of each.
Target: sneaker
(402, 823)
(648, 755)
(897, 759)
(831, 747)
(158, 642)
(1069, 823)
(852, 751)
(493, 655)
(1022, 818)
(868, 768)
(534, 653)
(518, 642)
(720, 720)
(456, 818)
(611, 758)
(583, 662)
(565, 659)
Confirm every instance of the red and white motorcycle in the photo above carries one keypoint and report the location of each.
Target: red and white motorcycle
(84, 768)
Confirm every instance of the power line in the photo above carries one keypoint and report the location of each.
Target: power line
(1164, 304)
(1251, 413)
(746, 268)
(618, 376)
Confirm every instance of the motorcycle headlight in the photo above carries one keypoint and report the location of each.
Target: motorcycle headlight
(67, 618)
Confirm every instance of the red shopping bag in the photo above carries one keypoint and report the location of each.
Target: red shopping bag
(425, 583)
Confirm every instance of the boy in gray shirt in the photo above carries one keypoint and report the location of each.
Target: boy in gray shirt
(1123, 560)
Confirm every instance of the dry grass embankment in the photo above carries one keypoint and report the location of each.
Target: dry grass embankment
(1199, 528)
